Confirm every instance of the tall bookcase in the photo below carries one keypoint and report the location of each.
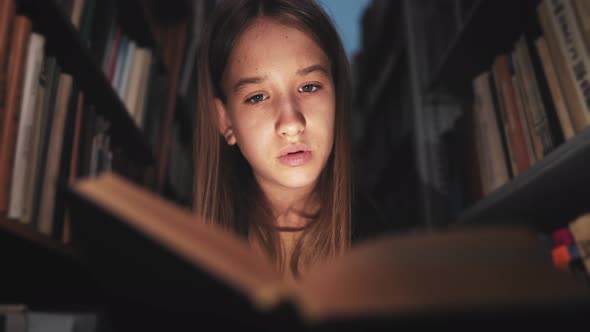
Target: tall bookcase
(43, 271)
(440, 47)
(547, 195)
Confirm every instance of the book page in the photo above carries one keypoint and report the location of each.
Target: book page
(441, 272)
(224, 255)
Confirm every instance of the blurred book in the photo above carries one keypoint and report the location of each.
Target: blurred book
(162, 257)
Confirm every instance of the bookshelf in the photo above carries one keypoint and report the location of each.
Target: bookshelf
(550, 193)
(444, 45)
(47, 271)
(76, 59)
(43, 273)
(26, 234)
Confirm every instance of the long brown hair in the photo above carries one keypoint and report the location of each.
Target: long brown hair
(225, 190)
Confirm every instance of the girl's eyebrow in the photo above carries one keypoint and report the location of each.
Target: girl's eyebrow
(259, 79)
(248, 80)
(312, 68)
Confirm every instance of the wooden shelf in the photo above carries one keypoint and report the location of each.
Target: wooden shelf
(548, 195)
(491, 27)
(28, 234)
(75, 58)
(43, 273)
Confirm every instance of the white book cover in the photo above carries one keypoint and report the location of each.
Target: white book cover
(134, 81)
(24, 141)
(77, 12)
(127, 66)
(31, 179)
(572, 47)
(120, 61)
(136, 77)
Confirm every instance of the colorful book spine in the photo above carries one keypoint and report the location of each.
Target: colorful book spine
(11, 112)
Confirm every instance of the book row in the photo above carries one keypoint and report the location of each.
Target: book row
(51, 132)
(125, 62)
(535, 96)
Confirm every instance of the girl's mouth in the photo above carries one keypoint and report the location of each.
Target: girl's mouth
(294, 159)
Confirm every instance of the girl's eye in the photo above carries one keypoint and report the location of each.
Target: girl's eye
(309, 88)
(256, 98)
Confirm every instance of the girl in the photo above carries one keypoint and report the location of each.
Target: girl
(272, 152)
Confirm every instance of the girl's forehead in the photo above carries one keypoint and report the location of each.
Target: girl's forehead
(271, 30)
(267, 38)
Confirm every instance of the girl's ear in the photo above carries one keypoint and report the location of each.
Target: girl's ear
(224, 122)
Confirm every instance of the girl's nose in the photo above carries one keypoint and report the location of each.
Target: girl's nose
(291, 121)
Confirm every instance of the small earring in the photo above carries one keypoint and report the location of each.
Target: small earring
(229, 137)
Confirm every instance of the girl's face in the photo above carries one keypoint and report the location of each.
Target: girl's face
(280, 104)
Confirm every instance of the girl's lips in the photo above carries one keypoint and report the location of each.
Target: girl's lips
(291, 148)
(295, 159)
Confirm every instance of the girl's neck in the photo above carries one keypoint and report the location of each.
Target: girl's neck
(291, 206)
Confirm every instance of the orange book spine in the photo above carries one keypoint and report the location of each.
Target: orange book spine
(7, 12)
(21, 32)
(501, 67)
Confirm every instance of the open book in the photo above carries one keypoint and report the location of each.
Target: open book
(150, 252)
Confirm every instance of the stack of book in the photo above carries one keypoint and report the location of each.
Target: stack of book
(571, 247)
(51, 130)
(535, 96)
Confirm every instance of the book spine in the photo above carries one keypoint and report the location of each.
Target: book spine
(538, 113)
(33, 165)
(494, 158)
(515, 134)
(125, 76)
(562, 236)
(88, 130)
(582, 11)
(120, 63)
(580, 229)
(7, 12)
(77, 9)
(24, 142)
(111, 60)
(525, 107)
(563, 255)
(53, 76)
(130, 97)
(66, 234)
(50, 181)
(105, 57)
(570, 45)
(87, 20)
(142, 95)
(501, 125)
(21, 32)
(531, 140)
(554, 94)
(75, 99)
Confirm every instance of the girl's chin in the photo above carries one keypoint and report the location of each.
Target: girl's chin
(293, 179)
